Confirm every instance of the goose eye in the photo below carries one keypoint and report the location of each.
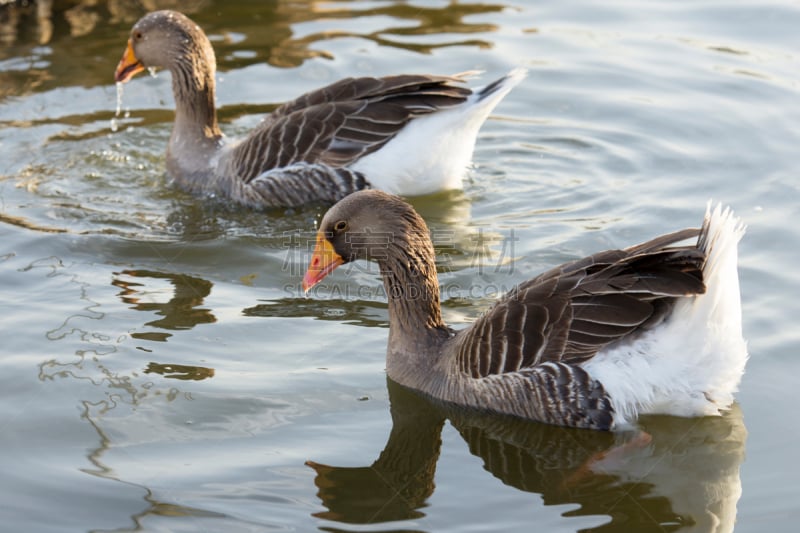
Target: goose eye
(137, 35)
(340, 226)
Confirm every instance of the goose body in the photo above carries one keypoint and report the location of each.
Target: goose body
(594, 343)
(407, 134)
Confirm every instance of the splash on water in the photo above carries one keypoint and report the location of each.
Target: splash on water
(114, 123)
(119, 98)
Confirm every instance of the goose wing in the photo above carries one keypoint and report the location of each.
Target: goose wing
(569, 313)
(340, 123)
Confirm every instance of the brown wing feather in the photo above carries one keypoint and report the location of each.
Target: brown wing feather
(376, 89)
(340, 123)
(569, 313)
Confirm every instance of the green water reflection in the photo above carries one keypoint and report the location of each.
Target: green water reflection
(26, 27)
(183, 310)
(686, 476)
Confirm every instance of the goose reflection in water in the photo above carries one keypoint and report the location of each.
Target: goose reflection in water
(685, 477)
(183, 309)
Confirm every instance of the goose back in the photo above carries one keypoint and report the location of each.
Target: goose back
(342, 122)
(571, 312)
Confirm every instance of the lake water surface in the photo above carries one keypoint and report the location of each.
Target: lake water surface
(160, 369)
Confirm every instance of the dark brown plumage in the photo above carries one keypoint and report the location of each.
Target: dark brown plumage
(527, 356)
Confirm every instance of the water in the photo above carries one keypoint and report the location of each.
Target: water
(161, 371)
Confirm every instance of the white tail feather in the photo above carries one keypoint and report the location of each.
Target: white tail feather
(719, 310)
(433, 152)
(692, 364)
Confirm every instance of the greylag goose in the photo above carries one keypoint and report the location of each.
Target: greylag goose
(593, 343)
(351, 135)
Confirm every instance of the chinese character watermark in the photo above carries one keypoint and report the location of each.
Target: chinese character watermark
(481, 251)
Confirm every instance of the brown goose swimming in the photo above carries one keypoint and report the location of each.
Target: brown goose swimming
(654, 328)
(356, 133)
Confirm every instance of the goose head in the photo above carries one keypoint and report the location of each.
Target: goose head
(166, 39)
(373, 226)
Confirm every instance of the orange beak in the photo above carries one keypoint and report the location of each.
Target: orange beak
(324, 260)
(129, 66)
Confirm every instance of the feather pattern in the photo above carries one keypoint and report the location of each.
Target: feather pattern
(299, 184)
(339, 133)
(592, 343)
(571, 312)
(339, 124)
